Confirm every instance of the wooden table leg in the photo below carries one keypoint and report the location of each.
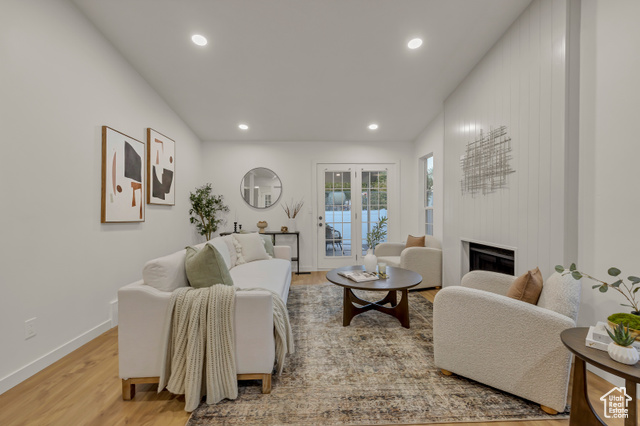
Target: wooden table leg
(347, 308)
(582, 414)
(390, 298)
(397, 310)
(402, 309)
(632, 406)
(393, 297)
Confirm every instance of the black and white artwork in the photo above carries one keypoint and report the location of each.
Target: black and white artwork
(161, 166)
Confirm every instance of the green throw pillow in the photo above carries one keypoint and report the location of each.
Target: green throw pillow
(268, 245)
(206, 267)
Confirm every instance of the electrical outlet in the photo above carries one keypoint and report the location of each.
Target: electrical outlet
(30, 328)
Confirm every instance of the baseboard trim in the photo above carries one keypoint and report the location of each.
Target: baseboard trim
(46, 360)
(113, 313)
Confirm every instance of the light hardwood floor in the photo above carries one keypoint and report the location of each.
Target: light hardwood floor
(83, 388)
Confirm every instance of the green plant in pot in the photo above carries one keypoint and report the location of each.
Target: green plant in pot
(377, 233)
(205, 209)
(620, 349)
(629, 291)
(374, 237)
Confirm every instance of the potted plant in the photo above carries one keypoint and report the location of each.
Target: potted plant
(292, 211)
(204, 210)
(620, 349)
(629, 291)
(374, 237)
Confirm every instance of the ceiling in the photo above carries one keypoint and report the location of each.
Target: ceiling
(303, 70)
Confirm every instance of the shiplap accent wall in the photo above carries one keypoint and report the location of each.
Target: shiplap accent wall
(520, 83)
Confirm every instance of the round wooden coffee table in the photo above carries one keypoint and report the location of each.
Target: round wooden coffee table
(398, 279)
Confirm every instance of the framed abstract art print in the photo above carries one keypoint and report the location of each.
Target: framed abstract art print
(161, 167)
(123, 177)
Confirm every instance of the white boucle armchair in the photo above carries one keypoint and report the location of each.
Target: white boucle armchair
(426, 261)
(481, 334)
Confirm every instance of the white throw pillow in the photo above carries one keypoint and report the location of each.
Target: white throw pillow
(166, 273)
(223, 249)
(231, 248)
(238, 247)
(252, 247)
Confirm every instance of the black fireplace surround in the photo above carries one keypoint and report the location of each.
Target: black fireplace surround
(488, 258)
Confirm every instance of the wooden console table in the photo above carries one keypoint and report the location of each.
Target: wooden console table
(582, 413)
(273, 234)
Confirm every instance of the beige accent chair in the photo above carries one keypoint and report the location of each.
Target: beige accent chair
(514, 346)
(427, 260)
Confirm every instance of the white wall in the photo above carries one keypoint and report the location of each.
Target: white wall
(609, 192)
(520, 83)
(60, 81)
(225, 163)
(431, 141)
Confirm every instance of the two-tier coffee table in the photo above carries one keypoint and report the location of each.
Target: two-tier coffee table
(397, 280)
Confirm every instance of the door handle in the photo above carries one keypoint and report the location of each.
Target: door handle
(320, 224)
(320, 217)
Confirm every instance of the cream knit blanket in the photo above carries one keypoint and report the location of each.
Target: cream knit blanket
(199, 336)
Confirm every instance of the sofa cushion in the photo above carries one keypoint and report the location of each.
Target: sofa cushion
(272, 274)
(415, 241)
(223, 249)
(206, 267)
(268, 245)
(527, 287)
(166, 273)
(231, 247)
(252, 247)
(561, 294)
(390, 260)
(432, 242)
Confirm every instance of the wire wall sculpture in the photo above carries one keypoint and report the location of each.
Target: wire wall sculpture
(485, 164)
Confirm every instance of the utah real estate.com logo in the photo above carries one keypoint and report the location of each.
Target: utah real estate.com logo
(615, 403)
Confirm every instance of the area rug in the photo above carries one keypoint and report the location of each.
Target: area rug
(369, 373)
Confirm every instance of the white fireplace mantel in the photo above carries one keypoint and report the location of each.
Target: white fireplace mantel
(464, 257)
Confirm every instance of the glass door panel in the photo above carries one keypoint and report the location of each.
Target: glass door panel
(374, 202)
(335, 221)
(337, 213)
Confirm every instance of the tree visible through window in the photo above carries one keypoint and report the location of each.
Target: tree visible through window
(428, 194)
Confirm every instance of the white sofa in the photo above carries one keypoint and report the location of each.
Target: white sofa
(143, 309)
(426, 261)
(508, 344)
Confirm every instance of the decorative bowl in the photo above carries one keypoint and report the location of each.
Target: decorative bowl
(631, 330)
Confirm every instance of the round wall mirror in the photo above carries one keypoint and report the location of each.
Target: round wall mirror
(261, 188)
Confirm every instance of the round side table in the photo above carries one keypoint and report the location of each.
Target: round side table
(582, 413)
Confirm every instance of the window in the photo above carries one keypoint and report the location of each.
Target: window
(428, 194)
(267, 200)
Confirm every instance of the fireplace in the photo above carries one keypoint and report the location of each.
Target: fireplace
(489, 258)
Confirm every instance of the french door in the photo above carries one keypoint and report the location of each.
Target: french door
(351, 200)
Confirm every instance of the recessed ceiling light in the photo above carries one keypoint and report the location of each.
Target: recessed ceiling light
(414, 43)
(373, 126)
(243, 126)
(199, 40)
